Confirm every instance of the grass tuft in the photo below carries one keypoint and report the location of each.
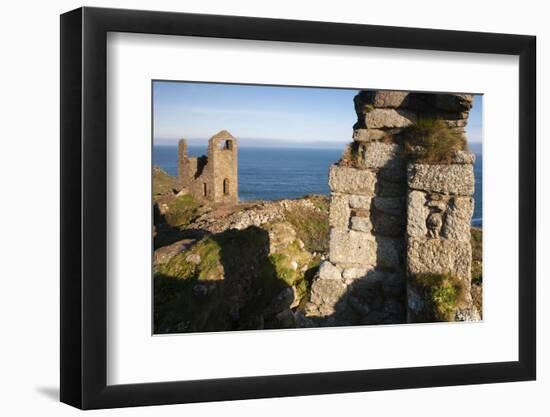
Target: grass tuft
(442, 292)
(431, 141)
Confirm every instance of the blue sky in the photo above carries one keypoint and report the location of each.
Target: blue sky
(262, 113)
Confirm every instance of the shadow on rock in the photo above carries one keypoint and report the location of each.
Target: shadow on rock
(224, 282)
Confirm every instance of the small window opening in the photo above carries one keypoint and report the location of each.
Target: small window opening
(226, 186)
(204, 190)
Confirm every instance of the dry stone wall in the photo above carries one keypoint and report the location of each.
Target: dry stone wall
(391, 218)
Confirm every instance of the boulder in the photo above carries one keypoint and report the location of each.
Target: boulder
(325, 297)
(355, 272)
(329, 271)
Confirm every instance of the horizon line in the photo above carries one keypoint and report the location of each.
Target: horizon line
(164, 141)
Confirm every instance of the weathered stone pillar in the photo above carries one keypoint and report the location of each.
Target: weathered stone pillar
(439, 253)
(363, 281)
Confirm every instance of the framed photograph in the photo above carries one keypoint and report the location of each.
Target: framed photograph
(261, 208)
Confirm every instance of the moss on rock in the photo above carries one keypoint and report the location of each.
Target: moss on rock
(442, 293)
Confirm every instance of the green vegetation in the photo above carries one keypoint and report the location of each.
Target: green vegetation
(288, 264)
(229, 281)
(202, 289)
(180, 211)
(442, 292)
(431, 141)
(172, 215)
(173, 210)
(234, 246)
(477, 254)
(164, 183)
(428, 141)
(349, 156)
(311, 225)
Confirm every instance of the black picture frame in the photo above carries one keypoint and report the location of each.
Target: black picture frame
(84, 207)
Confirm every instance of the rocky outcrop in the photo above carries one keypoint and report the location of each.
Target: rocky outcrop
(247, 266)
(243, 215)
(253, 278)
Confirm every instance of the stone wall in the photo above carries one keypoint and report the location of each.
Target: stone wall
(391, 218)
(213, 177)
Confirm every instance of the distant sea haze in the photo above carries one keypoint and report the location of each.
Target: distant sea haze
(277, 173)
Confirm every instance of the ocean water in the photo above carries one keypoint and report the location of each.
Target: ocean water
(276, 173)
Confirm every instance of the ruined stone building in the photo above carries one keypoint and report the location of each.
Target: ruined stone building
(393, 220)
(212, 177)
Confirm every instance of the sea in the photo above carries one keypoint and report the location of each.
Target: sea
(277, 173)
